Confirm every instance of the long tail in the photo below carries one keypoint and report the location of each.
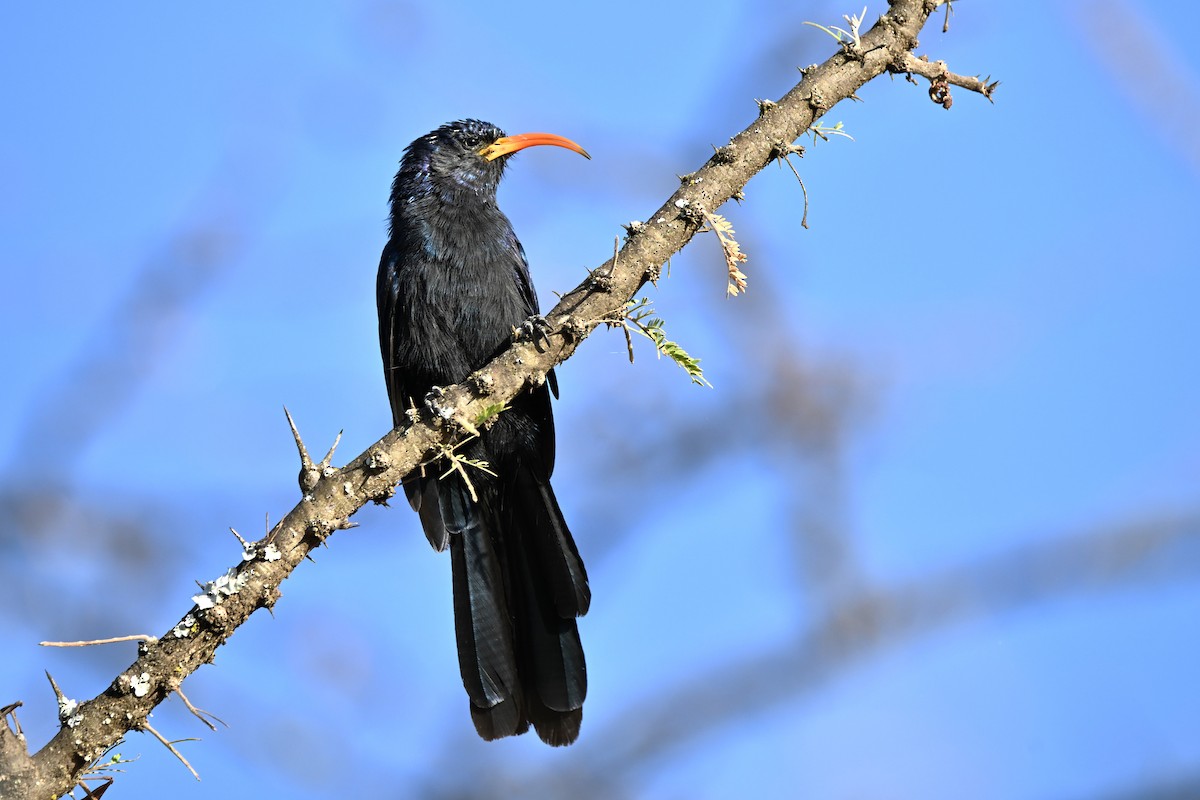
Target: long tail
(553, 591)
(519, 584)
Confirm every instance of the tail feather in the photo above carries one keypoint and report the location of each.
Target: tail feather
(556, 730)
(553, 670)
(504, 719)
(422, 493)
(537, 514)
(550, 590)
(482, 624)
(519, 584)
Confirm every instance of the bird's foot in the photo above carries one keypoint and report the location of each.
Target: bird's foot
(433, 401)
(537, 329)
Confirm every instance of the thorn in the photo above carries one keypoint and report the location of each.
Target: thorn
(309, 474)
(245, 544)
(781, 150)
(305, 461)
(68, 709)
(654, 272)
(328, 459)
(62, 698)
(633, 228)
(724, 155)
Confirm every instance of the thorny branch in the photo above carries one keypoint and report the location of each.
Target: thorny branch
(941, 79)
(331, 496)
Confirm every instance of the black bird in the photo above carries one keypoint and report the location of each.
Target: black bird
(453, 284)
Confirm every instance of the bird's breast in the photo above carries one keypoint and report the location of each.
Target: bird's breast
(467, 283)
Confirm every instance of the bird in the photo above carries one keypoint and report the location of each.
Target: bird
(453, 284)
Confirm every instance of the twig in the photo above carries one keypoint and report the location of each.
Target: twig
(456, 465)
(10, 710)
(171, 746)
(200, 713)
(136, 637)
(97, 793)
(803, 188)
(941, 78)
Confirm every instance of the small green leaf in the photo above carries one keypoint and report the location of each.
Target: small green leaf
(653, 329)
(488, 412)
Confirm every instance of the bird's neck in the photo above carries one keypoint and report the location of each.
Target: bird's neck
(456, 222)
(420, 189)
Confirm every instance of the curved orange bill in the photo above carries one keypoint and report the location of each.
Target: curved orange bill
(511, 144)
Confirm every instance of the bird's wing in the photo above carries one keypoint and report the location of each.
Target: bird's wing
(388, 293)
(521, 274)
(419, 488)
(524, 283)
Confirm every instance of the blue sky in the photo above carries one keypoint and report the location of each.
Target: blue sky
(1014, 287)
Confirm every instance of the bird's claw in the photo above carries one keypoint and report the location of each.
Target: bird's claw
(433, 401)
(537, 329)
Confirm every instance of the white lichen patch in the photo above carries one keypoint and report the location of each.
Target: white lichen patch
(68, 712)
(185, 627)
(140, 685)
(216, 591)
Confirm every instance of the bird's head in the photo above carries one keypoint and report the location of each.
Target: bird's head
(468, 154)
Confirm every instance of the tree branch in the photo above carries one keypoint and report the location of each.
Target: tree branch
(941, 79)
(331, 496)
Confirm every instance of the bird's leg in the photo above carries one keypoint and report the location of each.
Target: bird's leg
(537, 329)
